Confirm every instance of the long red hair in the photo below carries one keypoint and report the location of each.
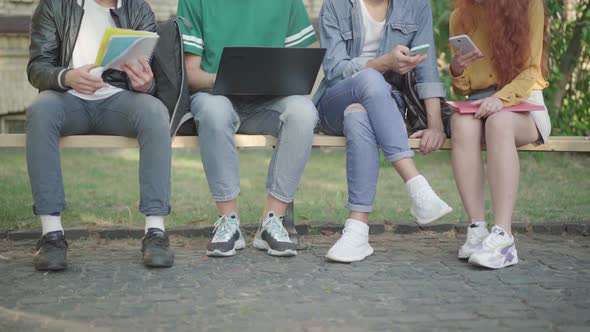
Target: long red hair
(510, 41)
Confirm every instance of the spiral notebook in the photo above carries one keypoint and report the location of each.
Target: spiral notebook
(468, 107)
(122, 45)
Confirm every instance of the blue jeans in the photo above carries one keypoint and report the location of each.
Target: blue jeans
(382, 125)
(291, 119)
(53, 114)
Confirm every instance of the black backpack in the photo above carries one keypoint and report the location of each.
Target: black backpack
(412, 107)
(170, 74)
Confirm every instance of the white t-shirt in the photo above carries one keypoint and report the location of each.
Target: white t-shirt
(373, 33)
(95, 21)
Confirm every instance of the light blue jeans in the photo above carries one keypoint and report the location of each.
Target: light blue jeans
(291, 119)
(382, 125)
(54, 114)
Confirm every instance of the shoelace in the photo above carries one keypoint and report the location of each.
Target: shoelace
(476, 235)
(53, 244)
(276, 229)
(422, 197)
(223, 229)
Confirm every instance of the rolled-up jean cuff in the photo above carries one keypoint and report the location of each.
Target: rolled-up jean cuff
(163, 211)
(280, 197)
(399, 156)
(430, 90)
(359, 208)
(230, 197)
(40, 211)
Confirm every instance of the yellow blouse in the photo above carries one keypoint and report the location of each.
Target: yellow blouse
(481, 74)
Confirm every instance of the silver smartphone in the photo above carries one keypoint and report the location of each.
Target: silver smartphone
(464, 42)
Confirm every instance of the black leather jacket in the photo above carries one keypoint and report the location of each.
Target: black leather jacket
(54, 31)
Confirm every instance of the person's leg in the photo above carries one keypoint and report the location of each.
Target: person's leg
(468, 163)
(469, 177)
(292, 120)
(51, 115)
(143, 116)
(504, 131)
(217, 123)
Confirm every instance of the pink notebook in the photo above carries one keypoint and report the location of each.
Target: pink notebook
(468, 107)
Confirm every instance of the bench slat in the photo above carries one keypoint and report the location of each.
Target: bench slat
(556, 143)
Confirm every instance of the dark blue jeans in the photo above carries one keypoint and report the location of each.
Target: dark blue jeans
(381, 125)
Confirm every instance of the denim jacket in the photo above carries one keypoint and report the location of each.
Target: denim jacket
(409, 23)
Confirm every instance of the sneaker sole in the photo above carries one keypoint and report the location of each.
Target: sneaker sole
(263, 245)
(422, 222)
(349, 260)
(159, 262)
(477, 263)
(238, 245)
(52, 267)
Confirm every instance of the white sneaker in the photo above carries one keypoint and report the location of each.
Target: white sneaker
(426, 205)
(353, 245)
(476, 233)
(497, 250)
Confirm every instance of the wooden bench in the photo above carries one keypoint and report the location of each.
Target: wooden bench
(555, 144)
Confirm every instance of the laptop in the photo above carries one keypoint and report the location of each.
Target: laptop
(268, 71)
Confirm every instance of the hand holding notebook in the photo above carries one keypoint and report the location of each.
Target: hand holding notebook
(466, 107)
(121, 46)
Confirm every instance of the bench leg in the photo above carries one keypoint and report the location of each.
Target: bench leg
(289, 223)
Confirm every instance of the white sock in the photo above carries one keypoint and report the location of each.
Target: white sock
(415, 184)
(51, 223)
(479, 223)
(154, 222)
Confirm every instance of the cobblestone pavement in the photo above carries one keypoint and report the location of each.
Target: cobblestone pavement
(411, 283)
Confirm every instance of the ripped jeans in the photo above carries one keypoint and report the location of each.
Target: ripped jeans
(381, 125)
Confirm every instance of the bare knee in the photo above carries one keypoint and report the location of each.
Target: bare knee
(355, 108)
(465, 128)
(499, 126)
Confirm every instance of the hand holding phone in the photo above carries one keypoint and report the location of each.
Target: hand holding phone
(466, 52)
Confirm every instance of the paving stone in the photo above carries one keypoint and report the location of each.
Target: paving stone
(77, 233)
(577, 229)
(413, 282)
(438, 228)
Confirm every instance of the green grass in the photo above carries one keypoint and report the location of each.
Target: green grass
(102, 188)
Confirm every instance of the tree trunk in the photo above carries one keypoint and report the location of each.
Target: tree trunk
(570, 59)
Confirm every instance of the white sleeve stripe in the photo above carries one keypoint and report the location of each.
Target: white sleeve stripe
(298, 35)
(193, 39)
(187, 43)
(301, 40)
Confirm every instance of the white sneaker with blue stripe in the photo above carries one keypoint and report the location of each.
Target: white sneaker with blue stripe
(497, 250)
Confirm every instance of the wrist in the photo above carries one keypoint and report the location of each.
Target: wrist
(65, 79)
(456, 72)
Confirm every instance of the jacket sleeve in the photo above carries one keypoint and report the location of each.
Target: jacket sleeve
(146, 22)
(338, 64)
(461, 83)
(44, 51)
(428, 83)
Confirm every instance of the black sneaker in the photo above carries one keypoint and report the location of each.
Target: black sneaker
(226, 238)
(274, 238)
(155, 247)
(51, 252)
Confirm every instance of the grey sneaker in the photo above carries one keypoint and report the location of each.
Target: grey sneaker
(227, 237)
(51, 252)
(274, 238)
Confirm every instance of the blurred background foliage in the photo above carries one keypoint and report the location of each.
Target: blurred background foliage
(568, 96)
